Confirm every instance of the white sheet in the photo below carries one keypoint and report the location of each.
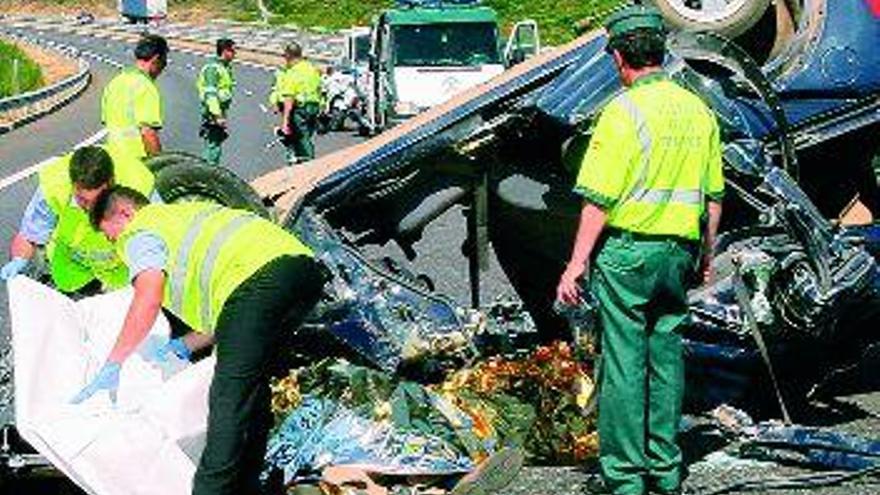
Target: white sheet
(149, 442)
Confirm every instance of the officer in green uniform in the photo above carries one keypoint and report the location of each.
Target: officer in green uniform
(131, 108)
(216, 84)
(297, 95)
(224, 272)
(81, 259)
(652, 184)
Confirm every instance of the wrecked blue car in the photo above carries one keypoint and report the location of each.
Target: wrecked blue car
(798, 277)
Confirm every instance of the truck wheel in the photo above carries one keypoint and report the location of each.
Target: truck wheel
(162, 160)
(197, 182)
(729, 18)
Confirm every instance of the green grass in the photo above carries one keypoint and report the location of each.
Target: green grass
(27, 77)
(556, 18)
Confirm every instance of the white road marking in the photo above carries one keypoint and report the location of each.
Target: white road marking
(27, 172)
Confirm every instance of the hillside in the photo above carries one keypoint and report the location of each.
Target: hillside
(556, 18)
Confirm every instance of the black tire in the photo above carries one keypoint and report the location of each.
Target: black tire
(162, 160)
(192, 181)
(731, 25)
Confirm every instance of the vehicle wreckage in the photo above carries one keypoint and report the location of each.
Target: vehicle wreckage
(797, 281)
(800, 134)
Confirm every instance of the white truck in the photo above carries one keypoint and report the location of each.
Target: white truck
(143, 10)
(423, 53)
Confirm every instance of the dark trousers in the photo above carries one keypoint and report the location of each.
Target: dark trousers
(303, 124)
(248, 332)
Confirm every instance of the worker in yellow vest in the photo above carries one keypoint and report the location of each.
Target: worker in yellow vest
(216, 84)
(652, 184)
(225, 273)
(131, 106)
(297, 95)
(81, 259)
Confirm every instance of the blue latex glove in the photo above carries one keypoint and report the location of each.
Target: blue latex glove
(158, 348)
(106, 379)
(13, 268)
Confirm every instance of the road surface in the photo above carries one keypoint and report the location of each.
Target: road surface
(246, 154)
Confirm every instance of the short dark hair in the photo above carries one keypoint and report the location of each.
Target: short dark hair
(293, 50)
(91, 167)
(149, 46)
(640, 48)
(224, 44)
(108, 200)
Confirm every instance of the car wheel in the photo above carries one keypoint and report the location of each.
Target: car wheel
(181, 182)
(726, 17)
(162, 160)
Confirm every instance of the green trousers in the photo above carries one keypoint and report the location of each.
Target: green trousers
(641, 289)
(300, 144)
(213, 136)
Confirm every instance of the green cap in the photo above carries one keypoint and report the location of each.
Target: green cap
(631, 18)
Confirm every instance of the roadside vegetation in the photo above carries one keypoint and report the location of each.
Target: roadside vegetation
(18, 73)
(558, 20)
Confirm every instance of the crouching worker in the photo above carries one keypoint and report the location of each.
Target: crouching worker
(81, 260)
(224, 272)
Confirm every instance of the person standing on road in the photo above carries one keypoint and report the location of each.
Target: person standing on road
(131, 107)
(216, 84)
(81, 259)
(223, 272)
(297, 95)
(652, 185)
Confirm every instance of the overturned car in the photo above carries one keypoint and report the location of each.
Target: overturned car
(800, 134)
(797, 279)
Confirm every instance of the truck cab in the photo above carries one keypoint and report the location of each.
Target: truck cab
(136, 11)
(422, 54)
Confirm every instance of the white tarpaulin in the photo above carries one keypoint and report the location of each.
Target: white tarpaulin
(148, 442)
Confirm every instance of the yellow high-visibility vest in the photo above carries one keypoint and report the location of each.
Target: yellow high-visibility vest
(130, 101)
(211, 251)
(77, 252)
(653, 160)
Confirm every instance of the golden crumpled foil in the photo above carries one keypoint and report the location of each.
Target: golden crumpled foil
(286, 394)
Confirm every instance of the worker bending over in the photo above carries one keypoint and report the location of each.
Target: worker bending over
(224, 272)
(81, 260)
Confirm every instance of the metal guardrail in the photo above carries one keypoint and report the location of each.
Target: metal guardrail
(20, 109)
(251, 37)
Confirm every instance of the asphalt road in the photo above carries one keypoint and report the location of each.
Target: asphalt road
(246, 154)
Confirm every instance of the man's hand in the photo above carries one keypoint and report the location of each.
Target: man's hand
(706, 270)
(569, 290)
(285, 129)
(13, 268)
(106, 379)
(220, 121)
(159, 348)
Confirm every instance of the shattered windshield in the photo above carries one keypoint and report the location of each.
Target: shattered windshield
(456, 44)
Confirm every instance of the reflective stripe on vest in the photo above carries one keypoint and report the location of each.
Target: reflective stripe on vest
(638, 192)
(181, 266)
(178, 277)
(207, 270)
